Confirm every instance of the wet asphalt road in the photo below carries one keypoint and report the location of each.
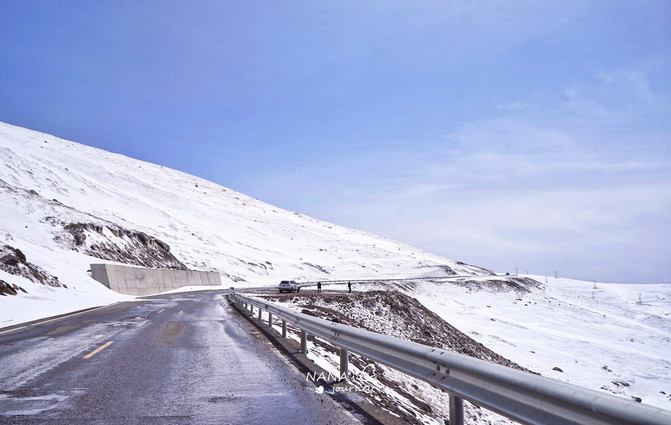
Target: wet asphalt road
(170, 359)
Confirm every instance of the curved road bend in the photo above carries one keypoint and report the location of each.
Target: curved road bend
(177, 359)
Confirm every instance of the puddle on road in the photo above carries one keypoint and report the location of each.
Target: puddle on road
(65, 329)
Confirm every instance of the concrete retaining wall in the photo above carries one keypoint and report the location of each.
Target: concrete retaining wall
(143, 281)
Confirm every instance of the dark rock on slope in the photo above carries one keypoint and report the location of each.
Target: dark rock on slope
(13, 261)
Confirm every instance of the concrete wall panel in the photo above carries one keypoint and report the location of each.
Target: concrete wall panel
(99, 273)
(143, 281)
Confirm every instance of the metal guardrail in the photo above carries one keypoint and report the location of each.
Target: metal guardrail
(345, 281)
(518, 395)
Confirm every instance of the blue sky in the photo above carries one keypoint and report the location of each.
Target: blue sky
(520, 134)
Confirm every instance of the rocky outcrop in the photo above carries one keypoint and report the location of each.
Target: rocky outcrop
(115, 243)
(13, 261)
(10, 289)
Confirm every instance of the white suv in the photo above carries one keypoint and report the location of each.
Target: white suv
(289, 286)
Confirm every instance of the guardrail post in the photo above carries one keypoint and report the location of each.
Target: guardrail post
(304, 342)
(456, 410)
(284, 328)
(260, 311)
(344, 363)
(270, 319)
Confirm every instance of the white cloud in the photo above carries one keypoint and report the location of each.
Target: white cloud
(509, 137)
(632, 84)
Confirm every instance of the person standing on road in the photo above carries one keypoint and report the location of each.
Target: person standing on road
(319, 286)
(349, 286)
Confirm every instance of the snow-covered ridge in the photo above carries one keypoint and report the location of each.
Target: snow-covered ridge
(206, 225)
(63, 204)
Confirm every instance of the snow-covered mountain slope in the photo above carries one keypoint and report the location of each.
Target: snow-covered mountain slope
(602, 338)
(62, 204)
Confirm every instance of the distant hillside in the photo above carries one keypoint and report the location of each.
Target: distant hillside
(65, 205)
